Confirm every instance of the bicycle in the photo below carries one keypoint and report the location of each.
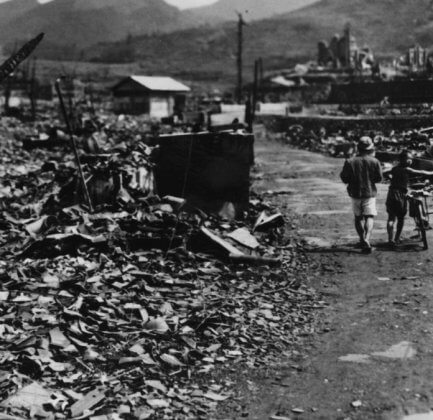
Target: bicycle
(419, 211)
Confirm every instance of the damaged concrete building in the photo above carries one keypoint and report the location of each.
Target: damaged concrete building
(344, 52)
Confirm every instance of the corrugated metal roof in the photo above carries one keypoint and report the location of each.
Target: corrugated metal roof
(161, 83)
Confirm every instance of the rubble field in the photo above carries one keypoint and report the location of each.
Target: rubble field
(342, 142)
(133, 310)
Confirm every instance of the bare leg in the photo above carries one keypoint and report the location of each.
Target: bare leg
(359, 226)
(400, 224)
(390, 229)
(369, 223)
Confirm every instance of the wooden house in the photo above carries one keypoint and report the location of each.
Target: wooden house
(157, 97)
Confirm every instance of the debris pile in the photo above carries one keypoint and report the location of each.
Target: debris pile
(383, 109)
(343, 143)
(126, 313)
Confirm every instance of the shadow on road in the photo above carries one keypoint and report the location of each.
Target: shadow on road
(353, 249)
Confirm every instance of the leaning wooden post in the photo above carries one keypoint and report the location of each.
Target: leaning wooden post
(32, 91)
(249, 113)
(261, 96)
(74, 145)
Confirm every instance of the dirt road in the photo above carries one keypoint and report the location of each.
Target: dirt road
(372, 355)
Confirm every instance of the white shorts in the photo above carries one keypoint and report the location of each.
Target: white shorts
(363, 207)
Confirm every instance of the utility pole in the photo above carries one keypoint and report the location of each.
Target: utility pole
(348, 36)
(241, 24)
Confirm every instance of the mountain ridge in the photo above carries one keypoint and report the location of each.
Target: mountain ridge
(226, 10)
(389, 27)
(86, 22)
(82, 23)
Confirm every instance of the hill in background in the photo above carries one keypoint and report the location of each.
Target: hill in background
(73, 25)
(388, 26)
(208, 52)
(11, 10)
(225, 10)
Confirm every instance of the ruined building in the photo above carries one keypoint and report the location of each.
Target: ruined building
(416, 58)
(343, 52)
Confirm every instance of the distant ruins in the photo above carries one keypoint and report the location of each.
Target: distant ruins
(416, 58)
(343, 53)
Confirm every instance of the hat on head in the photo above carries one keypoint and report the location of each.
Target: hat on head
(405, 155)
(365, 143)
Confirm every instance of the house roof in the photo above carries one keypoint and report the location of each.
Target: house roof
(282, 81)
(157, 83)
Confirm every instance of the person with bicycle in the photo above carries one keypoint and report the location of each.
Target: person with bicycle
(396, 201)
(361, 174)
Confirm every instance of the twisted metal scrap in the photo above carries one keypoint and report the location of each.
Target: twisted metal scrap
(12, 63)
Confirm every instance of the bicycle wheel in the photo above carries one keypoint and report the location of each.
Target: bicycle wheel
(420, 223)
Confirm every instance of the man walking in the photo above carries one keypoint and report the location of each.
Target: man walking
(361, 173)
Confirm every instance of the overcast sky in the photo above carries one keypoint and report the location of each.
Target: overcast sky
(182, 4)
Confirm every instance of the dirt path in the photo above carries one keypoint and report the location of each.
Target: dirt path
(375, 302)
